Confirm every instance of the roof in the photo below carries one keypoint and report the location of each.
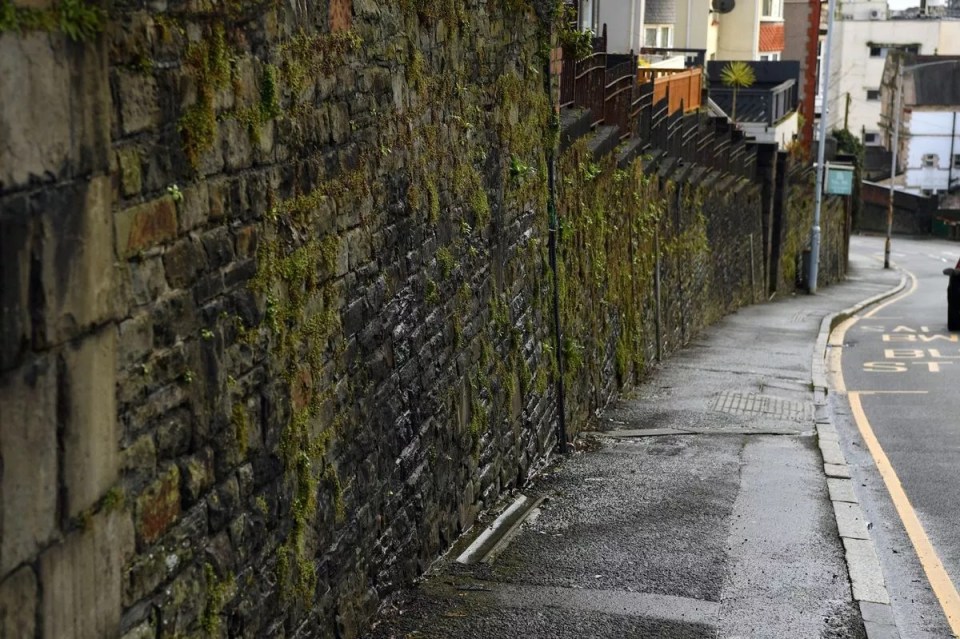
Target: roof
(936, 85)
(660, 12)
(771, 36)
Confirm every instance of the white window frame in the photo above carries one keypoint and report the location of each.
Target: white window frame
(662, 35)
(770, 56)
(930, 161)
(771, 9)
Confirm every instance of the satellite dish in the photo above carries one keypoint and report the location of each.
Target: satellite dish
(723, 6)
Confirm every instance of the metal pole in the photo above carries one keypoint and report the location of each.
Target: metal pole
(893, 164)
(821, 148)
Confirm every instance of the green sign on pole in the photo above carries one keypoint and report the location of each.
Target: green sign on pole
(839, 180)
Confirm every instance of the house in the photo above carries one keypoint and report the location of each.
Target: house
(767, 110)
(725, 29)
(863, 36)
(928, 149)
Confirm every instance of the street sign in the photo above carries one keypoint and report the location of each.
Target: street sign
(839, 180)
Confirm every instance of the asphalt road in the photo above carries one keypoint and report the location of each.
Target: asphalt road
(900, 369)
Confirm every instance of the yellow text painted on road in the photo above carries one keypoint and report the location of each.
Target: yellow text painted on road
(943, 588)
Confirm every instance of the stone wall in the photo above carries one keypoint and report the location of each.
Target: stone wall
(277, 302)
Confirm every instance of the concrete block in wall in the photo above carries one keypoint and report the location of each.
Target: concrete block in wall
(69, 135)
(18, 604)
(16, 230)
(81, 579)
(28, 475)
(90, 447)
(77, 273)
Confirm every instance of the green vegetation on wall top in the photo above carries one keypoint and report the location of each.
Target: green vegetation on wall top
(79, 20)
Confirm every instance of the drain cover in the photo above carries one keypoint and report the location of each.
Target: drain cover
(755, 404)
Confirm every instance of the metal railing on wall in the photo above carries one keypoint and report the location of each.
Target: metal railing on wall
(661, 106)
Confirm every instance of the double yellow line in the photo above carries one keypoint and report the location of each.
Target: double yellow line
(943, 587)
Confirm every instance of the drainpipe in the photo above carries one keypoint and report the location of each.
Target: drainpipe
(552, 240)
(633, 21)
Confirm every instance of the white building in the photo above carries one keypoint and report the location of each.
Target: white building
(752, 30)
(862, 36)
(928, 149)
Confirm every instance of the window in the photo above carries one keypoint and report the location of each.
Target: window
(769, 57)
(873, 94)
(956, 161)
(871, 138)
(880, 50)
(772, 8)
(658, 36)
(930, 160)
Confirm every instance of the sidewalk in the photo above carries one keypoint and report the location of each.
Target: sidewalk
(701, 508)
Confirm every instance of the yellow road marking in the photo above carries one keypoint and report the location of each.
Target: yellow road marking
(943, 588)
(897, 298)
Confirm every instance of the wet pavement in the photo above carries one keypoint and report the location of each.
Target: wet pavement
(699, 507)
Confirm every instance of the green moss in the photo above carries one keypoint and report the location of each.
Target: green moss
(77, 19)
(241, 428)
(431, 293)
(209, 63)
(445, 261)
(218, 591)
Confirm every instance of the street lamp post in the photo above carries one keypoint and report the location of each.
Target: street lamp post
(821, 147)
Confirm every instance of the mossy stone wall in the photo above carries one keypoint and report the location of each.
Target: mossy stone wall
(277, 301)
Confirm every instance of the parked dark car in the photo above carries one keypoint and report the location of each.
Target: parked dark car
(953, 297)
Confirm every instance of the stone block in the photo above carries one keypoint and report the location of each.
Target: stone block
(195, 206)
(158, 507)
(77, 270)
(69, 135)
(28, 475)
(183, 261)
(131, 176)
(145, 226)
(218, 244)
(136, 340)
(237, 148)
(144, 281)
(91, 453)
(137, 101)
(16, 229)
(18, 604)
(81, 579)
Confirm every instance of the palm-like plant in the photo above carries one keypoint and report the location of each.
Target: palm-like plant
(737, 75)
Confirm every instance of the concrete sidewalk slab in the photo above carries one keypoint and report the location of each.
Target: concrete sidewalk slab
(715, 502)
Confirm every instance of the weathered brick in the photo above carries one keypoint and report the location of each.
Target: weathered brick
(137, 101)
(158, 507)
(144, 280)
(146, 225)
(197, 476)
(218, 244)
(28, 475)
(194, 209)
(183, 261)
(81, 579)
(131, 176)
(18, 604)
(90, 443)
(136, 340)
